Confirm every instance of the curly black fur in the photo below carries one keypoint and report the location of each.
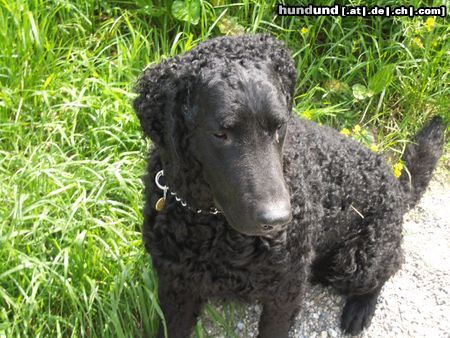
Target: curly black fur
(346, 205)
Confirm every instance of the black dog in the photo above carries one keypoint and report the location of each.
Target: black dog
(250, 211)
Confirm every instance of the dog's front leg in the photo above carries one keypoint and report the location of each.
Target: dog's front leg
(181, 309)
(277, 319)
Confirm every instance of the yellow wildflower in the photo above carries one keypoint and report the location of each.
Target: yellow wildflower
(416, 41)
(230, 26)
(304, 31)
(307, 114)
(357, 129)
(334, 85)
(345, 131)
(397, 168)
(429, 24)
(374, 148)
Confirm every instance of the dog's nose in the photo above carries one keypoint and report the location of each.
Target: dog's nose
(273, 217)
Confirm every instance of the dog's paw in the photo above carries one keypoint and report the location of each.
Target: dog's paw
(358, 313)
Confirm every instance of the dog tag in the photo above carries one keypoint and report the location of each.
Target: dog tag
(160, 204)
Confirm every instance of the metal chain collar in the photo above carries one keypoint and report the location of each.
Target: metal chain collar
(165, 189)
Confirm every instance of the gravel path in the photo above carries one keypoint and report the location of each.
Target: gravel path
(414, 303)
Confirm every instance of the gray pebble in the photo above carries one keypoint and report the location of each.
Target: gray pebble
(240, 326)
(332, 332)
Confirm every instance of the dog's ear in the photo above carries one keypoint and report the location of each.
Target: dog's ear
(160, 90)
(163, 95)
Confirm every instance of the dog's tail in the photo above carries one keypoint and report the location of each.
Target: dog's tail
(420, 159)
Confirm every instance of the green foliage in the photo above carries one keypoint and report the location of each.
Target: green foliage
(71, 151)
(381, 80)
(188, 10)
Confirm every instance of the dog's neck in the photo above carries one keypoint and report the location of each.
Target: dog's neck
(167, 191)
(186, 185)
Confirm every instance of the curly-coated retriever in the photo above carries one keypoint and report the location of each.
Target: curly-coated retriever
(245, 202)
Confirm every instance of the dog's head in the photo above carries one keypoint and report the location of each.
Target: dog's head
(219, 116)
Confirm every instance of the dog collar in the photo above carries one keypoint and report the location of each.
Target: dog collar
(162, 200)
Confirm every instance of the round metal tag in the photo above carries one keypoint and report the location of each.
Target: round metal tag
(160, 204)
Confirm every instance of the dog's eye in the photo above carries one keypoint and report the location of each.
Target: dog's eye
(220, 136)
(279, 131)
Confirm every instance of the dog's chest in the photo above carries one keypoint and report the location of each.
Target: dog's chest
(223, 263)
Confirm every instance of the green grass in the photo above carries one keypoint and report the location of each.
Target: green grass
(71, 151)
